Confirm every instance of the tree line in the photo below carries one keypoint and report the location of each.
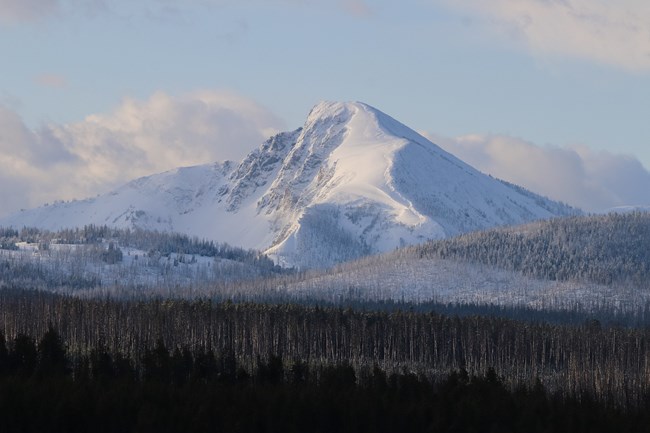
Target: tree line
(45, 387)
(611, 364)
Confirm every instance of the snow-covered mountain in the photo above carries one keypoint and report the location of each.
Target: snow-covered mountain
(352, 181)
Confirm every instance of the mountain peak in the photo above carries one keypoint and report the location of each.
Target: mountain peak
(325, 109)
(361, 118)
(342, 112)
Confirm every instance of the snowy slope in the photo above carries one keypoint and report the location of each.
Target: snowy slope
(351, 182)
(400, 277)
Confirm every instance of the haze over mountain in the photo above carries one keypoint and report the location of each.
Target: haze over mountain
(353, 181)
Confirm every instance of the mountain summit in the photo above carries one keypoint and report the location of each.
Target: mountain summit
(352, 181)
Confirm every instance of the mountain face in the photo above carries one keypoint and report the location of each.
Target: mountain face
(352, 181)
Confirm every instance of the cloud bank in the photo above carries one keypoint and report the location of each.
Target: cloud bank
(593, 181)
(138, 138)
(610, 32)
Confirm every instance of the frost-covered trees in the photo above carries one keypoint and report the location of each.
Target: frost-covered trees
(94, 256)
(112, 254)
(606, 249)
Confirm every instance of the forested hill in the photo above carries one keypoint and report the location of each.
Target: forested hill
(100, 256)
(604, 249)
(151, 241)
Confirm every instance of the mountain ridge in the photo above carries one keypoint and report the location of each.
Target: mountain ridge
(352, 181)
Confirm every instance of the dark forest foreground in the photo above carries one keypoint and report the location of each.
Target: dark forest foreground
(69, 364)
(43, 389)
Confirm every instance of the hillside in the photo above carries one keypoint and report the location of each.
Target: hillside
(126, 262)
(605, 249)
(581, 264)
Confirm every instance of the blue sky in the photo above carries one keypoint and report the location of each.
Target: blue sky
(518, 88)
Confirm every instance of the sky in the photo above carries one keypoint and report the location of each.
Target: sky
(553, 95)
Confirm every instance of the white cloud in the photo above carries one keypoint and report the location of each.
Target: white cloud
(610, 32)
(26, 10)
(137, 139)
(591, 180)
